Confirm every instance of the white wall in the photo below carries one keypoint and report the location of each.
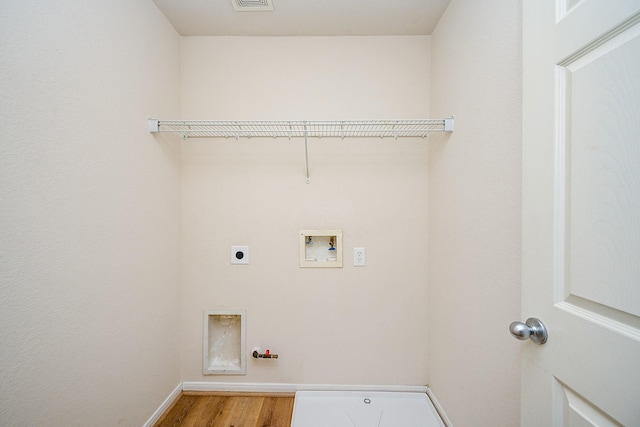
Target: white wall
(474, 216)
(355, 325)
(88, 213)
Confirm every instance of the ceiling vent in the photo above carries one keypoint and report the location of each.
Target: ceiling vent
(252, 5)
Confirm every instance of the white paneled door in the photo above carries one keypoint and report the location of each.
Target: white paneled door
(581, 204)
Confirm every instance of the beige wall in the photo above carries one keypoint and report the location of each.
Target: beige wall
(88, 213)
(474, 215)
(354, 325)
(95, 217)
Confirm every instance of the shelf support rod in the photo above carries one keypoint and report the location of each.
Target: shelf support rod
(306, 152)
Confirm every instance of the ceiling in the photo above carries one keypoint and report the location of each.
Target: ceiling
(305, 17)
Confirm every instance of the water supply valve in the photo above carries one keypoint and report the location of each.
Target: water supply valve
(266, 355)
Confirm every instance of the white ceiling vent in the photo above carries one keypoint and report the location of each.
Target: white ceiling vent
(252, 5)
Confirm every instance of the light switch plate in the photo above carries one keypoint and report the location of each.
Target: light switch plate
(239, 254)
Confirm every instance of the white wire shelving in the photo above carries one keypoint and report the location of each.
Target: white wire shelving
(301, 128)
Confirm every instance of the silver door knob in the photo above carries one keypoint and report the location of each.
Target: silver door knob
(533, 328)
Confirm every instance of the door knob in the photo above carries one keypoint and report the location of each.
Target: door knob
(533, 328)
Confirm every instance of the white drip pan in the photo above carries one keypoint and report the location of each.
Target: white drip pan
(363, 409)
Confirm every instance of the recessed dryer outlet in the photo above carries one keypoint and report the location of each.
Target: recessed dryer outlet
(239, 254)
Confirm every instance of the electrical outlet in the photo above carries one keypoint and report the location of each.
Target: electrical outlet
(358, 257)
(239, 254)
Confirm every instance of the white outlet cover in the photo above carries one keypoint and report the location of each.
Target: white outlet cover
(359, 257)
(239, 254)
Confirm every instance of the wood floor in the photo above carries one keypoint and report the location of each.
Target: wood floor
(229, 410)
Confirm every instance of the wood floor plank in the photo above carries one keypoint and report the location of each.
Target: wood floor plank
(204, 411)
(238, 410)
(215, 408)
(191, 418)
(177, 413)
(275, 412)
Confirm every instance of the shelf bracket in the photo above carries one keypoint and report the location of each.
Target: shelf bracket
(449, 123)
(154, 125)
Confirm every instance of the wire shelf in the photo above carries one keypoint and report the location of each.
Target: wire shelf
(300, 128)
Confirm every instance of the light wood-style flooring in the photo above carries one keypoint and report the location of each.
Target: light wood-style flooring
(229, 410)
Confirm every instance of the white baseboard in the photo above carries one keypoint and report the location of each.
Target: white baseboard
(436, 404)
(164, 406)
(292, 388)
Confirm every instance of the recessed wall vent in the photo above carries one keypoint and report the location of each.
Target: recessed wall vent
(252, 5)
